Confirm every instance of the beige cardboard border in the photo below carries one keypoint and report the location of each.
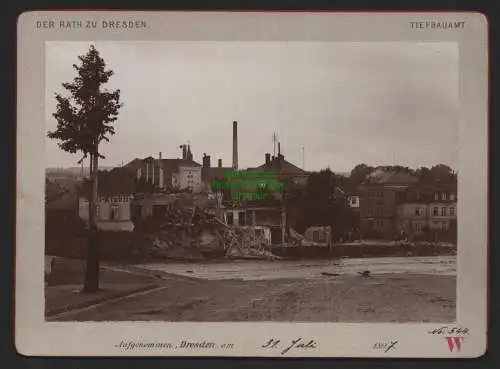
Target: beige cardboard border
(34, 336)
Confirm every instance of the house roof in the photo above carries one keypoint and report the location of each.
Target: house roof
(116, 182)
(348, 187)
(280, 166)
(211, 173)
(169, 165)
(437, 185)
(390, 178)
(64, 200)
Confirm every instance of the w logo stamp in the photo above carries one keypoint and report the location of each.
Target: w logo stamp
(454, 343)
(453, 335)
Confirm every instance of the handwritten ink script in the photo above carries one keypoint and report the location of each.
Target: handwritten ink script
(287, 346)
(449, 330)
(385, 346)
(121, 24)
(454, 336)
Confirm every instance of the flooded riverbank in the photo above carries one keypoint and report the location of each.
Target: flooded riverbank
(307, 269)
(410, 289)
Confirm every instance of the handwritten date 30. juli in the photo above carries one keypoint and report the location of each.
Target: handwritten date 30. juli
(296, 344)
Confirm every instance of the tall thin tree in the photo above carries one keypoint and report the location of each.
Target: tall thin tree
(84, 119)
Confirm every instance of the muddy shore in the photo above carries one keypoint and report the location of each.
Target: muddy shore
(379, 298)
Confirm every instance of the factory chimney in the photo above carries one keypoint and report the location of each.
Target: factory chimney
(235, 145)
(184, 151)
(268, 158)
(160, 174)
(206, 161)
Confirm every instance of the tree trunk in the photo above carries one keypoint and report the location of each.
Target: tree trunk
(92, 263)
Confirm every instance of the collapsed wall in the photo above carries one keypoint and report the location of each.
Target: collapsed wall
(188, 231)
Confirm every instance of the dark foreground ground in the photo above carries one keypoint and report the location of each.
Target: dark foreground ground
(379, 298)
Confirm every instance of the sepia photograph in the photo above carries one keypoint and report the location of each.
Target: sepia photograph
(252, 184)
(276, 181)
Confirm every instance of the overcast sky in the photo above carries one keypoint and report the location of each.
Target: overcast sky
(345, 103)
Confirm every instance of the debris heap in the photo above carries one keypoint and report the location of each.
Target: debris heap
(296, 239)
(188, 231)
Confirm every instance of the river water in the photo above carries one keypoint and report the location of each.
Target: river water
(308, 269)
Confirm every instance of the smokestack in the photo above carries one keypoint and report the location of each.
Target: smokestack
(279, 148)
(184, 152)
(153, 170)
(219, 163)
(268, 158)
(235, 145)
(160, 174)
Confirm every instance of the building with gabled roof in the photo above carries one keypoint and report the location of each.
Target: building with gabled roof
(282, 168)
(115, 195)
(175, 173)
(430, 204)
(380, 195)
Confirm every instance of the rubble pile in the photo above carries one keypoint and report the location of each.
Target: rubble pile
(245, 243)
(190, 232)
(296, 239)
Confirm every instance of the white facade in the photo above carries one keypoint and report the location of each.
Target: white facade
(413, 217)
(113, 214)
(190, 177)
(440, 214)
(353, 201)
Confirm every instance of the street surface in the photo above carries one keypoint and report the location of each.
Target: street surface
(403, 290)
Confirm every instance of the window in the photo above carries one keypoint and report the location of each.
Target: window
(443, 211)
(435, 211)
(316, 236)
(452, 196)
(418, 227)
(115, 212)
(452, 211)
(418, 211)
(230, 218)
(436, 196)
(444, 196)
(242, 218)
